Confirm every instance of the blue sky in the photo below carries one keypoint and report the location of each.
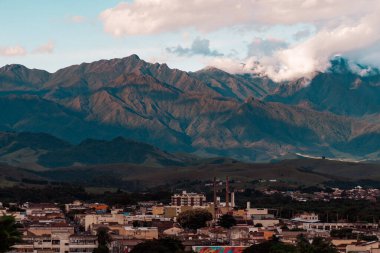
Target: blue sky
(51, 34)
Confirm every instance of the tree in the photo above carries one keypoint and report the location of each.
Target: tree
(342, 233)
(164, 245)
(103, 240)
(194, 219)
(319, 245)
(271, 247)
(227, 221)
(9, 235)
(303, 244)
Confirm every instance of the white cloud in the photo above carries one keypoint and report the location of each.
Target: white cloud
(357, 41)
(18, 50)
(47, 48)
(314, 54)
(341, 27)
(12, 51)
(198, 47)
(231, 65)
(155, 16)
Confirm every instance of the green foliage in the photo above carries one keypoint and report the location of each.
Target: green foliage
(271, 247)
(318, 245)
(368, 238)
(194, 219)
(9, 235)
(303, 245)
(227, 221)
(164, 245)
(352, 210)
(103, 236)
(344, 233)
(68, 193)
(321, 245)
(103, 240)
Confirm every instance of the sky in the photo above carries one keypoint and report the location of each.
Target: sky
(283, 39)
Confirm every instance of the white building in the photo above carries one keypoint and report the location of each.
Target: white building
(57, 243)
(188, 199)
(306, 217)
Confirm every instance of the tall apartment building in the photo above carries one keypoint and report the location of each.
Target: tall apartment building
(188, 199)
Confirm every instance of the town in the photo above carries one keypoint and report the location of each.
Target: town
(197, 223)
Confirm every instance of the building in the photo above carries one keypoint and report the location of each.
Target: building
(75, 206)
(188, 199)
(266, 222)
(306, 217)
(82, 243)
(57, 243)
(366, 247)
(96, 219)
(330, 226)
(145, 233)
(174, 211)
(158, 210)
(49, 229)
(41, 209)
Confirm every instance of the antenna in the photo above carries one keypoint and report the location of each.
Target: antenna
(215, 204)
(227, 194)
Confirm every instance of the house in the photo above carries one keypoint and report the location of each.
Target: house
(174, 231)
(366, 247)
(58, 242)
(145, 233)
(266, 222)
(306, 217)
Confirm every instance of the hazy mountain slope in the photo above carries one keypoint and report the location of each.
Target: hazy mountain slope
(270, 130)
(33, 113)
(50, 152)
(297, 172)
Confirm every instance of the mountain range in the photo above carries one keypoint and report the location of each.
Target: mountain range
(207, 113)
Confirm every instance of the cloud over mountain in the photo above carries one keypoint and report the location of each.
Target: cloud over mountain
(314, 54)
(339, 28)
(198, 47)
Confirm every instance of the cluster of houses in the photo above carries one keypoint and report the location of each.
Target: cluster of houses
(72, 228)
(357, 193)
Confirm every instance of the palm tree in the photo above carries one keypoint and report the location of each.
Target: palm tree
(9, 235)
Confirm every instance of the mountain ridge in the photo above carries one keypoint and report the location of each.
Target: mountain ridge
(208, 112)
(40, 151)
